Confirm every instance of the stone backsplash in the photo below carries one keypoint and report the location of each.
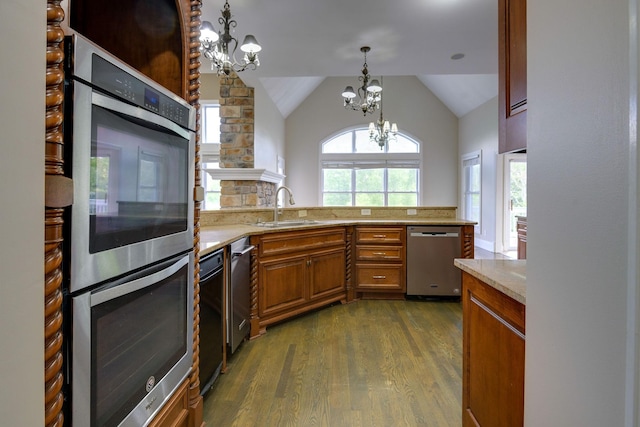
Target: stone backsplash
(252, 216)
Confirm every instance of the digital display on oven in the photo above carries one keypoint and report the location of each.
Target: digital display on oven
(151, 99)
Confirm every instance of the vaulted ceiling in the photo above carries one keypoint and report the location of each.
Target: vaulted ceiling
(305, 41)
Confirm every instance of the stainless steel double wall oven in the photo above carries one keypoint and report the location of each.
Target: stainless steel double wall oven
(129, 276)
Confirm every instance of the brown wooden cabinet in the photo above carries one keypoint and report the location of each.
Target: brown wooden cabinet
(175, 413)
(521, 230)
(493, 356)
(512, 75)
(160, 28)
(380, 266)
(297, 271)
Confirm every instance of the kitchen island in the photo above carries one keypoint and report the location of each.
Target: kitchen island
(493, 307)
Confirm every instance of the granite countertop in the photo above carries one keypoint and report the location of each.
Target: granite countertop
(505, 275)
(213, 237)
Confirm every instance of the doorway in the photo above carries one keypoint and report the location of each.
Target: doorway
(515, 197)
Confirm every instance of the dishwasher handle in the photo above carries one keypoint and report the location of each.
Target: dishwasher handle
(433, 234)
(242, 252)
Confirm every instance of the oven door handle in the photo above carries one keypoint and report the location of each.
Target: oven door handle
(102, 295)
(138, 115)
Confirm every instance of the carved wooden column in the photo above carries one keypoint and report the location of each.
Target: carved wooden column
(53, 221)
(468, 243)
(254, 318)
(191, 12)
(349, 265)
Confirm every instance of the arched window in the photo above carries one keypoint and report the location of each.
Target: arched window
(357, 172)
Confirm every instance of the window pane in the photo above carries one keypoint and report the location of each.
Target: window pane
(403, 199)
(336, 199)
(403, 180)
(370, 180)
(339, 144)
(363, 144)
(474, 178)
(369, 199)
(473, 207)
(212, 201)
(337, 179)
(211, 124)
(403, 145)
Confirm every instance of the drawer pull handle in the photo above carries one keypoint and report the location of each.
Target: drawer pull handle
(380, 236)
(380, 253)
(379, 277)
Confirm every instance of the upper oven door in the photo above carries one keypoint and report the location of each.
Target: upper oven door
(133, 174)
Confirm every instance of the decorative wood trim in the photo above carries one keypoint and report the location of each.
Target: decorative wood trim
(254, 318)
(349, 264)
(190, 12)
(53, 221)
(468, 241)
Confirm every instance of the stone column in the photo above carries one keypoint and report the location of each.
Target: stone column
(237, 146)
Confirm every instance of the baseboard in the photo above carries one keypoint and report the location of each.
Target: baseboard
(485, 244)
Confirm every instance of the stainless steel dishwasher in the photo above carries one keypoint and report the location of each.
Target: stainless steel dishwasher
(239, 295)
(430, 254)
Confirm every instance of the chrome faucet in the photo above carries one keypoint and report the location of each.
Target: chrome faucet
(275, 209)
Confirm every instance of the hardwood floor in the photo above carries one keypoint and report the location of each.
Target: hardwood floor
(369, 363)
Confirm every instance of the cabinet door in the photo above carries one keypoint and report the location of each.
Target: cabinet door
(512, 99)
(327, 273)
(493, 357)
(176, 411)
(283, 284)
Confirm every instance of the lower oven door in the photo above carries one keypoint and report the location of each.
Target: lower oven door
(131, 344)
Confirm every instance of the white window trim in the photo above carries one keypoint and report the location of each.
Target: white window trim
(363, 157)
(469, 156)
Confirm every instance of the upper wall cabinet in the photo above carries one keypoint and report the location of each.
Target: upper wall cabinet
(512, 25)
(146, 34)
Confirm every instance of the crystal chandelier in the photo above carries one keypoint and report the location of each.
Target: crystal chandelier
(215, 46)
(369, 95)
(381, 132)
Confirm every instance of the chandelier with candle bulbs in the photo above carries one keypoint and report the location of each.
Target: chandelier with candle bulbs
(369, 94)
(382, 132)
(220, 47)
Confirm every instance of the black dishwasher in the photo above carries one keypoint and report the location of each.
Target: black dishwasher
(211, 315)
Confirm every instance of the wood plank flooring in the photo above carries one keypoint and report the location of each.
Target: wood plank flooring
(368, 363)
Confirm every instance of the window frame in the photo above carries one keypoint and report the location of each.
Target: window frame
(209, 152)
(384, 159)
(465, 159)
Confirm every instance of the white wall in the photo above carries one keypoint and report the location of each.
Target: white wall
(21, 227)
(578, 227)
(406, 101)
(269, 131)
(478, 131)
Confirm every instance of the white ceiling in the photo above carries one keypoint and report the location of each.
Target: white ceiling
(305, 41)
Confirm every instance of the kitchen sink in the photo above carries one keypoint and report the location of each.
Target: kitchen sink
(286, 223)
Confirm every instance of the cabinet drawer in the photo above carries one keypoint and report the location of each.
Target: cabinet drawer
(381, 277)
(378, 235)
(297, 241)
(379, 253)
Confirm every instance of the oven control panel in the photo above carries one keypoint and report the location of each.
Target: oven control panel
(92, 65)
(110, 78)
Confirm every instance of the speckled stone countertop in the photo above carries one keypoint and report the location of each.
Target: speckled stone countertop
(508, 276)
(213, 237)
